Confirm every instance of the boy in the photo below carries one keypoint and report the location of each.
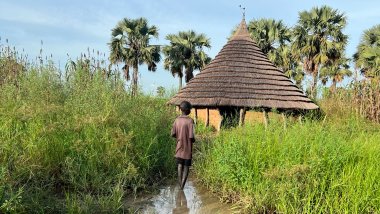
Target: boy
(183, 131)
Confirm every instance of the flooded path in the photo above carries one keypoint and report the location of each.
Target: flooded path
(193, 199)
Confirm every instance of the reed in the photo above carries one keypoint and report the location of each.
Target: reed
(75, 141)
(325, 166)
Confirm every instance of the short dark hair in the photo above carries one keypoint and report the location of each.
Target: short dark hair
(185, 106)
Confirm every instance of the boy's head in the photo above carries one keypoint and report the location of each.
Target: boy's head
(185, 107)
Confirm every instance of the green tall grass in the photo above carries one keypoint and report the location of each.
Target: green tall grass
(327, 166)
(79, 144)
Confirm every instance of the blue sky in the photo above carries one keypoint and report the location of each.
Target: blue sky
(70, 27)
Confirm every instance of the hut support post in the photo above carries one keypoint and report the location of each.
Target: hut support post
(207, 117)
(195, 115)
(220, 122)
(266, 118)
(242, 116)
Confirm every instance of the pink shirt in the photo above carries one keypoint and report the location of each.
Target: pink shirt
(183, 130)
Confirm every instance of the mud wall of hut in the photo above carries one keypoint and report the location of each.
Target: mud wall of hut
(251, 117)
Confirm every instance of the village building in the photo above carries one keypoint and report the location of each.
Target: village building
(241, 84)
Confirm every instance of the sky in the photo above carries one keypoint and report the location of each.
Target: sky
(70, 27)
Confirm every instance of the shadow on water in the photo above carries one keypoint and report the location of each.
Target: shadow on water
(193, 199)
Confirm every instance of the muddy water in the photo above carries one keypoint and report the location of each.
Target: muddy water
(193, 199)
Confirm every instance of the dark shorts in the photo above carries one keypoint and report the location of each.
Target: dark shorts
(186, 162)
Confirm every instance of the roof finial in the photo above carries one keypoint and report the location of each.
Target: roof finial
(243, 10)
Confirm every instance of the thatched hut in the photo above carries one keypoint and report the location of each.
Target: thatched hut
(241, 78)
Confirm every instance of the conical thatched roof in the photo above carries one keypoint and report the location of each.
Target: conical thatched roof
(242, 76)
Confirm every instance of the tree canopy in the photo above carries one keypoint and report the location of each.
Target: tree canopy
(317, 34)
(367, 57)
(130, 44)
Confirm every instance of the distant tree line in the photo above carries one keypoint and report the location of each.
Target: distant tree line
(314, 48)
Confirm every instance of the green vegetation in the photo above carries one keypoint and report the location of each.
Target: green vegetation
(79, 145)
(327, 166)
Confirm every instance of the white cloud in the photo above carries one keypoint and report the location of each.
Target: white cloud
(97, 23)
(11, 12)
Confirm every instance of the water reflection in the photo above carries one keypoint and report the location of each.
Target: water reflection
(192, 199)
(181, 203)
(173, 200)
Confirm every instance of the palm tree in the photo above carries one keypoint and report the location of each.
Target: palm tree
(174, 60)
(318, 32)
(297, 75)
(289, 65)
(367, 57)
(186, 51)
(130, 45)
(336, 69)
(269, 35)
(160, 91)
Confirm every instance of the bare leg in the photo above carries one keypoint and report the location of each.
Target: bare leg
(180, 170)
(185, 174)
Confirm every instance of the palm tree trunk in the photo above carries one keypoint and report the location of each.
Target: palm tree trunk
(314, 82)
(135, 80)
(180, 76)
(189, 74)
(179, 82)
(126, 72)
(333, 86)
